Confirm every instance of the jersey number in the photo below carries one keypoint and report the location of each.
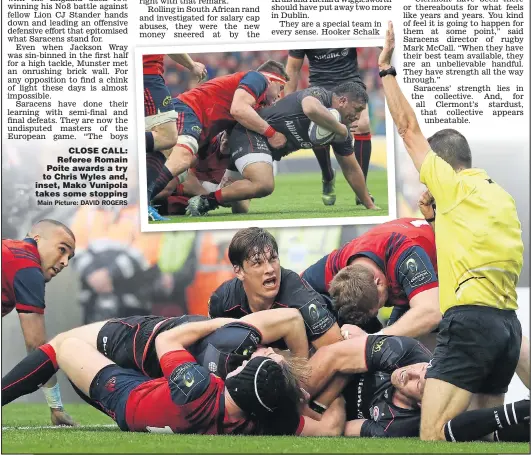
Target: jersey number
(419, 223)
(165, 430)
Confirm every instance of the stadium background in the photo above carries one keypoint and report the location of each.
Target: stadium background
(174, 273)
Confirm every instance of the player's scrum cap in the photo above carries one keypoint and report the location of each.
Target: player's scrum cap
(272, 77)
(259, 388)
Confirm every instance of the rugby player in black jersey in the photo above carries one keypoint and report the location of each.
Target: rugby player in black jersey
(253, 157)
(386, 388)
(328, 69)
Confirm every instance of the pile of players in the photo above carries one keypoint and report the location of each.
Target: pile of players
(306, 355)
(217, 142)
(220, 375)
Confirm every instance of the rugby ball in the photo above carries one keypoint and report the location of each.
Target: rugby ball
(319, 135)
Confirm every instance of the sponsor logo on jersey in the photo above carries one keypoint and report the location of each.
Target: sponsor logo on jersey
(377, 347)
(344, 52)
(166, 101)
(293, 130)
(375, 413)
(359, 401)
(313, 311)
(110, 385)
(307, 145)
(188, 379)
(105, 339)
(196, 129)
(212, 367)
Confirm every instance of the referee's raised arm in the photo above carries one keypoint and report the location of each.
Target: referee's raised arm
(403, 116)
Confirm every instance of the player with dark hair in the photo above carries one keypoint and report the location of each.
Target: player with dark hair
(160, 117)
(207, 110)
(261, 284)
(387, 387)
(27, 265)
(479, 255)
(392, 264)
(329, 68)
(253, 156)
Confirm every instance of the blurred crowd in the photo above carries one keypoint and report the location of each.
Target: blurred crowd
(220, 64)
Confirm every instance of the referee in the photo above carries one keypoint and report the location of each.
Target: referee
(328, 69)
(479, 255)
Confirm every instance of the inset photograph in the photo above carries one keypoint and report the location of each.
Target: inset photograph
(236, 137)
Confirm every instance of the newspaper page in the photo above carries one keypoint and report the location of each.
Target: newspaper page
(155, 130)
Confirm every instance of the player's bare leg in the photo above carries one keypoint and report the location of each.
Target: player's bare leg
(87, 333)
(81, 362)
(441, 402)
(362, 144)
(164, 136)
(523, 367)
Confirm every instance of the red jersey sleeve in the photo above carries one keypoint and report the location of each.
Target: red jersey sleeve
(173, 359)
(413, 271)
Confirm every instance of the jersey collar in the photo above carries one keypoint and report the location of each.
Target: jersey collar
(30, 241)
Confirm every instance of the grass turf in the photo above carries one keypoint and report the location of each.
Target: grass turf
(112, 440)
(298, 196)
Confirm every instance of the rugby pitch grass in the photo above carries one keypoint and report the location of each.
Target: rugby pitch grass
(96, 435)
(298, 196)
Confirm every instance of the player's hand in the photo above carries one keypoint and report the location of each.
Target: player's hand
(349, 331)
(60, 417)
(425, 204)
(277, 141)
(100, 281)
(384, 60)
(199, 71)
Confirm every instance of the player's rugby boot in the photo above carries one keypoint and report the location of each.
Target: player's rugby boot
(200, 206)
(358, 202)
(153, 215)
(329, 191)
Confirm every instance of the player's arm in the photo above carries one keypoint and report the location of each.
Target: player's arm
(403, 115)
(354, 176)
(293, 68)
(29, 292)
(196, 68)
(353, 427)
(319, 114)
(332, 422)
(281, 323)
(423, 317)
(346, 356)
(181, 337)
(417, 277)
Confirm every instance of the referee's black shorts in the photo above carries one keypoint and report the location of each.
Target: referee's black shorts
(477, 349)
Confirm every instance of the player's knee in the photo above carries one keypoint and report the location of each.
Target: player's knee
(364, 126)
(165, 136)
(432, 433)
(264, 188)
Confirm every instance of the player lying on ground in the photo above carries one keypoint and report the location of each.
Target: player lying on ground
(208, 174)
(479, 256)
(213, 107)
(27, 265)
(392, 264)
(387, 386)
(260, 397)
(328, 69)
(130, 343)
(253, 156)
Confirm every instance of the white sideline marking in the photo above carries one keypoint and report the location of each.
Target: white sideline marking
(61, 427)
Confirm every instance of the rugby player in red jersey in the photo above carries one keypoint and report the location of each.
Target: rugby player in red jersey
(393, 264)
(27, 265)
(207, 110)
(160, 117)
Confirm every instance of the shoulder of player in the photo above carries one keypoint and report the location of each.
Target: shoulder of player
(23, 251)
(227, 295)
